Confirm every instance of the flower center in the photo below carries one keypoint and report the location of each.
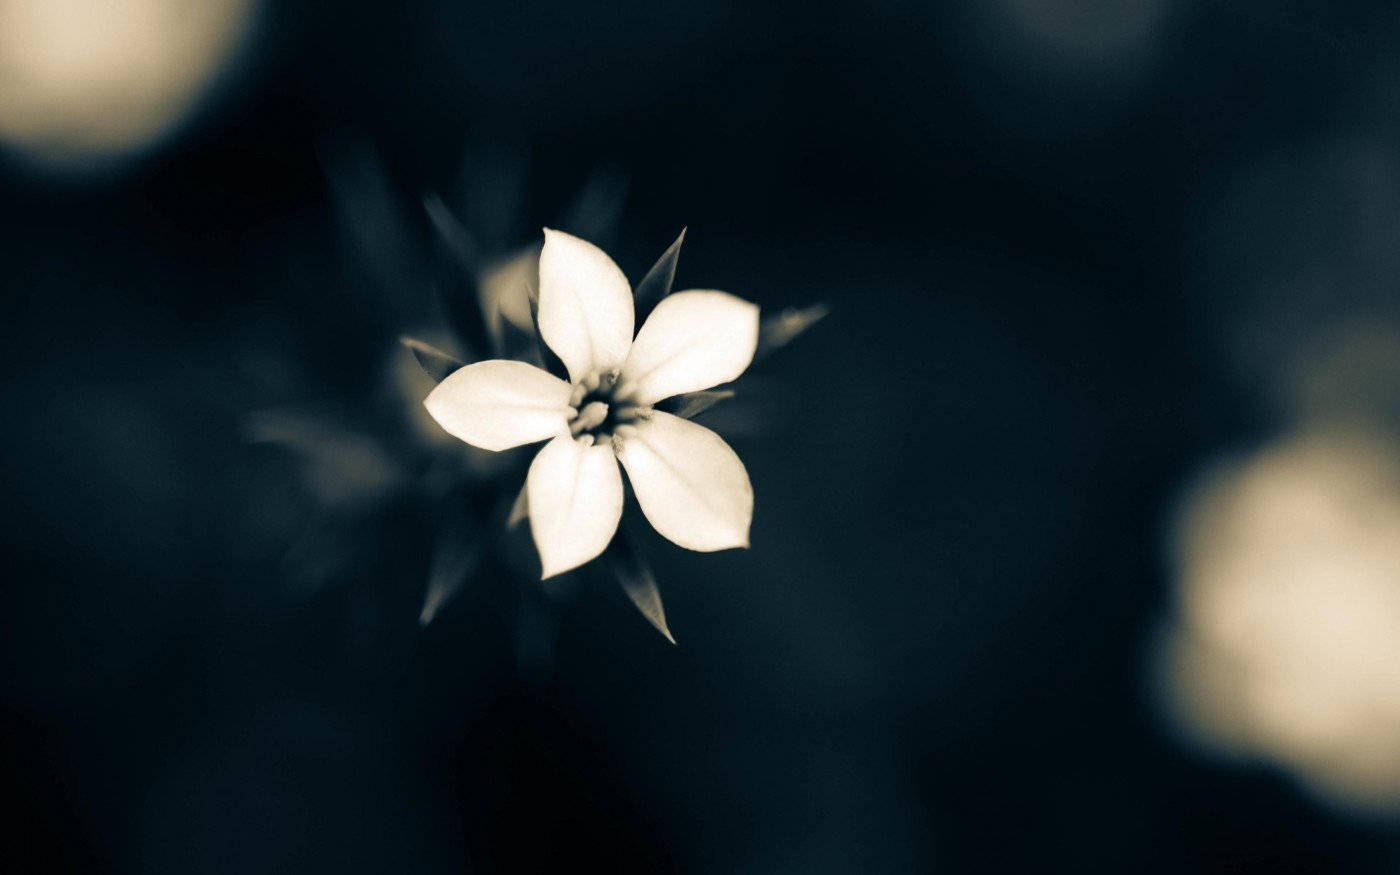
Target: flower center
(602, 410)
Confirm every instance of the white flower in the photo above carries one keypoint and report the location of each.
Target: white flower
(691, 486)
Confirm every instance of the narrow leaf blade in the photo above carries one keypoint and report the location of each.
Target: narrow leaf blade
(552, 362)
(455, 556)
(692, 404)
(657, 283)
(594, 212)
(436, 363)
(456, 282)
(642, 592)
(782, 328)
(634, 576)
(458, 238)
(519, 509)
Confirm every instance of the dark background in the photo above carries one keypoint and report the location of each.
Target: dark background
(936, 655)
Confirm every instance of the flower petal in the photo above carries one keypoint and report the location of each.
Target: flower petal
(690, 484)
(575, 497)
(499, 404)
(692, 340)
(585, 305)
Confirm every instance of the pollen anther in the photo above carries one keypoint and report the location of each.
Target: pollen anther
(590, 417)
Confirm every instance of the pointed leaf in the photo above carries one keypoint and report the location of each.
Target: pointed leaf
(551, 362)
(458, 238)
(341, 467)
(633, 575)
(641, 590)
(692, 404)
(519, 509)
(455, 555)
(521, 344)
(594, 212)
(455, 282)
(657, 283)
(780, 329)
(436, 363)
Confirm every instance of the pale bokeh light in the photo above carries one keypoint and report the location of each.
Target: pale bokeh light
(1094, 33)
(1053, 69)
(1091, 46)
(85, 80)
(1286, 645)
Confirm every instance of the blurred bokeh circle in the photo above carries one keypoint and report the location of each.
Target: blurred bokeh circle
(84, 82)
(1287, 646)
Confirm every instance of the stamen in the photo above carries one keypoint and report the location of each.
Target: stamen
(585, 440)
(577, 396)
(591, 416)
